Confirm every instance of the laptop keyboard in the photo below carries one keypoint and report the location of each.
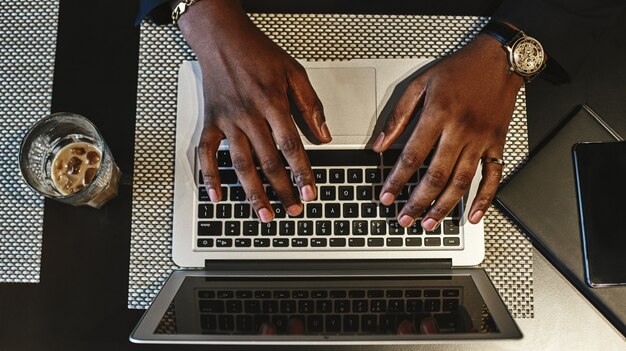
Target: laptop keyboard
(341, 311)
(347, 214)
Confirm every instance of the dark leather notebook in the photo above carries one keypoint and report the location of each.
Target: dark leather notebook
(541, 199)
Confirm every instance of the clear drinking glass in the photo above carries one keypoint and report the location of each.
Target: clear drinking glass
(64, 157)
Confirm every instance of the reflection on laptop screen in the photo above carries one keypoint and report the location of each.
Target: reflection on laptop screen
(335, 306)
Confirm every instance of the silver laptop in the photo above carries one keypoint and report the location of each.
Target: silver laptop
(344, 271)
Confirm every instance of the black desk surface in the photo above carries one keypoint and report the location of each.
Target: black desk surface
(80, 303)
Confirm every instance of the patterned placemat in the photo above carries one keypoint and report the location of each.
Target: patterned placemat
(314, 37)
(28, 32)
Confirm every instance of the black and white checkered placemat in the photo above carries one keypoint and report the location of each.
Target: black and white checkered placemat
(314, 37)
(28, 31)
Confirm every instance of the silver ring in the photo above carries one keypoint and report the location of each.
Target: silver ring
(495, 160)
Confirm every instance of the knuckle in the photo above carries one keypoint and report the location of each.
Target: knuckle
(495, 173)
(290, 145)
(210, 178)
(412, 208)
(302, 176)
(462, 181)
(435, 178)
(241, 163)
(438, 212)
(408, 160)
(483, 202)
(393, 184)
(256, 199)
(272, 166)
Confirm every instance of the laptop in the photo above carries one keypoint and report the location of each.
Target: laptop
(342, 272)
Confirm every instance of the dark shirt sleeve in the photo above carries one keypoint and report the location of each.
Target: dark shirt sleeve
(157, 9)
(567, 29)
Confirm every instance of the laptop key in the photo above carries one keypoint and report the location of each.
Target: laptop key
(450, 226)
(356, 242)
(319, 294)
(224, 211)
(450, 305)
(250, 228)
(387, 323)
(244, 294)
(415, 228)
(279, 211)
(305, 306)
(288, 306)
(359, 227)
(223, 242)
(268, 228)
(210, 228)
(432, 305)
(395, 228)
(414, 305)
(226, 322)
(369, 323)
(378, 227)
(203, 196)
(394, 242)
(286, 228)
(280, 242)
(269, 306)
(364, 192)
(223, 159)
(372, 175)
(369, 210)
(314, 210)
(299, 242)
(351, 323)
(341, 227)
(375, 242)
(346, 193)
(243, 242)
(356, 294)
(211, 306)
(205, 242)
(323, 227)
(332, 210)
(355, 176)
(336, 175)
(451, 241)
(333, 323)
(413, 241)
(234, 306)
(300, 294)
(261, 242)
(396, 305)
(432, 241)
(338, 294)
(205, 211)
(450, 293)
(228, 176)
(387, 211)
(350, 210)
(328, 193)
(319, 242)
(315, 323)
(305, 228)
(337, 242)
(232, 228)
(252, 306)
(208, 321)
(378, 306)
(324, 306)
(320, 176)
(244, 323)
(375, 293)
(242, 210)
(413, 293)
(237, 193)
(280, 322)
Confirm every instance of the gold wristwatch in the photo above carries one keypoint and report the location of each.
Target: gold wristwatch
(525, 54)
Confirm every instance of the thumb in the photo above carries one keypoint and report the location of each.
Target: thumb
(307, 109)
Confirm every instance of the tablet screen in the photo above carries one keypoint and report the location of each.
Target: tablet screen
(601, 183)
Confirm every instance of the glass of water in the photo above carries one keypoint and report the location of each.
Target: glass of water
(64, 157)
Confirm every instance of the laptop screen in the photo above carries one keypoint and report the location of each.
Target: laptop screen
(318, 308)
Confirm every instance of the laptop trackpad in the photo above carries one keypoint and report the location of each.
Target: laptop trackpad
(349, 98)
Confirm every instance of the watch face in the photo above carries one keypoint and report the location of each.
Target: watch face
(527, 56)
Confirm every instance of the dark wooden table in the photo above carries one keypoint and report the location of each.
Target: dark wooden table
(80, 303)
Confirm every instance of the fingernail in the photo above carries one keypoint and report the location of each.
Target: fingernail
(326, 131)
(406, 327)
(386, 198)
(476, 216)
(213, 195)
(294, 209)
(307, 193)
(406, 221)
(429, 325)
(379, 141)
(267, 329)
(265, 215)
(429, 224)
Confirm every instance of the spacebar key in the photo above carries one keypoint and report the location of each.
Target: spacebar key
(343, 158)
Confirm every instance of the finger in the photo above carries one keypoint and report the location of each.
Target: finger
(267, 329)
(413, 155)
(406, 327)
(243, 163)
(492, 174)
(434, 180)
(457, 186)
(295, 326)
(207, 148)
(429, 325)
(290, 144)
(401, 114)
(311, 118)
(273, 168)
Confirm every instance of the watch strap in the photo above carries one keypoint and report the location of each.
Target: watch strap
(502, 32)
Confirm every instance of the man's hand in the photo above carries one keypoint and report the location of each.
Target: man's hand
(468, 100)
(251, 89)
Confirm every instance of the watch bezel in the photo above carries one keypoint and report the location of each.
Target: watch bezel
(514, 65)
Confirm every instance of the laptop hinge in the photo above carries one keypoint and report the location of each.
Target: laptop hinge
(300, 265)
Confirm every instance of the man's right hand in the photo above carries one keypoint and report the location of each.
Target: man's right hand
(251, 90)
